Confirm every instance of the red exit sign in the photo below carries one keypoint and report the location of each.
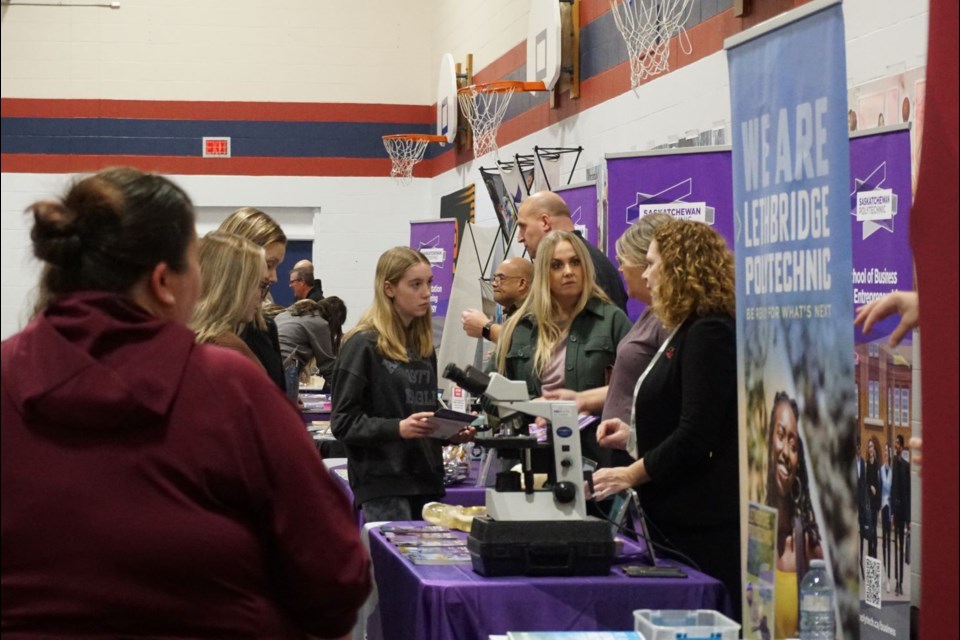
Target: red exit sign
(216, 147)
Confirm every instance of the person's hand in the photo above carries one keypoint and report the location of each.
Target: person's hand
(473, 322)
(916, 452)
(464, 435)
(904, 303)
(559, 394)
(417, 425)
(611, 480)
(613, 434)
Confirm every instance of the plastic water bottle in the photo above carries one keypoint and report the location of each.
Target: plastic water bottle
(817, 600)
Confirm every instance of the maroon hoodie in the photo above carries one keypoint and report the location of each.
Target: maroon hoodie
(158, 488)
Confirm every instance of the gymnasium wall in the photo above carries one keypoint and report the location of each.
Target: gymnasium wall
(305, 90)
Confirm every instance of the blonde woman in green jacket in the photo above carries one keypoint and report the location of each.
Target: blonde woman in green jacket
(565, 334)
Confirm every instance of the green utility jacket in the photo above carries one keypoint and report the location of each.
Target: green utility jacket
(591, 348)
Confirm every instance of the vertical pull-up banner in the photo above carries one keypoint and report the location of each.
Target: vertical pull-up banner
(436, 240)
(879, 205)
(582, 201)
(797, 400)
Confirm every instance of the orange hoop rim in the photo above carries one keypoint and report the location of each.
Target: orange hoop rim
(502, 86)
(416, 137)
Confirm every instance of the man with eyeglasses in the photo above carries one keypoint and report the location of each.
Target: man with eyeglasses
(303, 284)
(511, 284)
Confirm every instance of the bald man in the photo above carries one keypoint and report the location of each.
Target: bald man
(303, 283)
(511, 284)
(544, 212)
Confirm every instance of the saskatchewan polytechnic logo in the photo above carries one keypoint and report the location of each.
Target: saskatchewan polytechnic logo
(578, 224)
(671, 201)
(434, 253)
(873, 206)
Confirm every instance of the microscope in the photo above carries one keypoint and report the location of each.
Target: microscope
(530, 531)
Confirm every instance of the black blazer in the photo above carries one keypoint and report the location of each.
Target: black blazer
(686, 416)
(900, 490)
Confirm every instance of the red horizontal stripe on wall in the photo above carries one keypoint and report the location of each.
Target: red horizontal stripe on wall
(334, 167)
(590, 10)
(503, 66)
(186, 110)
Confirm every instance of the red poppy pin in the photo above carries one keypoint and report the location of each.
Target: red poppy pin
(669, 352)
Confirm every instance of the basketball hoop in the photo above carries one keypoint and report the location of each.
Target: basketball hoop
(484, 106)
(646, 27)
(406, 150)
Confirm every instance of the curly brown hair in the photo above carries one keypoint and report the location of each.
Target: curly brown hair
(696, 273)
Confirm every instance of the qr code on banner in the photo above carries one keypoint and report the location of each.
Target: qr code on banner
(872, 573)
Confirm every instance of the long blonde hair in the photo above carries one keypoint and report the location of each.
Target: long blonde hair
(253, 224)
(230, 267)
(541, 305)
(696, 273)
(394, 340)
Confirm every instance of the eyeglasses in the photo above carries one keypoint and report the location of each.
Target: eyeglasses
(498, 278)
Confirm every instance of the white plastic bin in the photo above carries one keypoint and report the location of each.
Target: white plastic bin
(671, 624)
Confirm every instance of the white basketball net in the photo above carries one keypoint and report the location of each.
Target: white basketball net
(646, 27)
(484, 110)
(404, 153)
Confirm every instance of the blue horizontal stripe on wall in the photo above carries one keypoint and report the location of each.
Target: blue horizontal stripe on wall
(602, 46)
(121, 136)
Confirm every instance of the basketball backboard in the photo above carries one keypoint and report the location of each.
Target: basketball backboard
(447, 98)
(543, 42)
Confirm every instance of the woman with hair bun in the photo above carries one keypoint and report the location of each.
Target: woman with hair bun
(154, 487)
(232, 270)
(684, 438)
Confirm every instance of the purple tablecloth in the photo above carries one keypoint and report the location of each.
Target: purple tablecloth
(453, 602)
(464, 494)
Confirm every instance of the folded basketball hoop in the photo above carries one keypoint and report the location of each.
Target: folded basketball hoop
(406, 150)
(484, 106)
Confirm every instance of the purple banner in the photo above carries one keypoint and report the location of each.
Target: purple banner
(880, 196)
(436, 239)
(696, 185)
(582, 200)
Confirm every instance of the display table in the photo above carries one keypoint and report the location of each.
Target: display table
(445, 602)
(464, 494)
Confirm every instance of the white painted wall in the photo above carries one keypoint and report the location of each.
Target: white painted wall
(485, 28)
(244, 50)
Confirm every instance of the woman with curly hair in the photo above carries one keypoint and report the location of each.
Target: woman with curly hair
(788, 491)
(684, 431)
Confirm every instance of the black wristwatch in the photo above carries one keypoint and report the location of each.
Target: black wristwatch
(486, 329)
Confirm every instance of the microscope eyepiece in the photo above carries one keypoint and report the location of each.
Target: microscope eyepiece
(473, 380)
